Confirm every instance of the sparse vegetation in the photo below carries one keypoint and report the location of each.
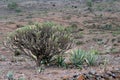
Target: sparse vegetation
(85, 46)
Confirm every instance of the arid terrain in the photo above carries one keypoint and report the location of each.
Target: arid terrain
(97, 30)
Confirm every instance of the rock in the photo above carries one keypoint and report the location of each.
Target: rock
(81, 77)
(67, 61)
(92, 72)
(1, 33)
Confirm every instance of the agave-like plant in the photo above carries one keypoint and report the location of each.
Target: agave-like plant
(91, 58)
(60, 61)
(10, 75)
(77, 57)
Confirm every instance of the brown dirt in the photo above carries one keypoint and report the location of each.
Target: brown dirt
(24, 67)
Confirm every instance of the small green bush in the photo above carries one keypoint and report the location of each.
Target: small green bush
(89, 3)
(2, 58)
(80, 57)
(12, 5)
(40, 41)
(60, 61)
(77, 57)
(91, 58)
(10, 75)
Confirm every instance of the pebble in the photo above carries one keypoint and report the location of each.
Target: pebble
(92, 72)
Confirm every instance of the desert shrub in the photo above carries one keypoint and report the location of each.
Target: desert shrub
(89, 4)
(14, 6)
(40, 41)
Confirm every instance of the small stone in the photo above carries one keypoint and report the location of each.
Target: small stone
(1, 33)
(92, 72)
(65, 78)
(81, 77)
(75, 76)
(67, 61)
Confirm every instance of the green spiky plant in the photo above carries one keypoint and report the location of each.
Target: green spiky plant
(40, 41)
(10, 75)
(91, 58)
(60, 61)
(77, 57)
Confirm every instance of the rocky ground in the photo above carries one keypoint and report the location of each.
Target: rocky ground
(99, 31)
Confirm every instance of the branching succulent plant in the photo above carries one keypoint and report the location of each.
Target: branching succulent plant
(40, 41)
